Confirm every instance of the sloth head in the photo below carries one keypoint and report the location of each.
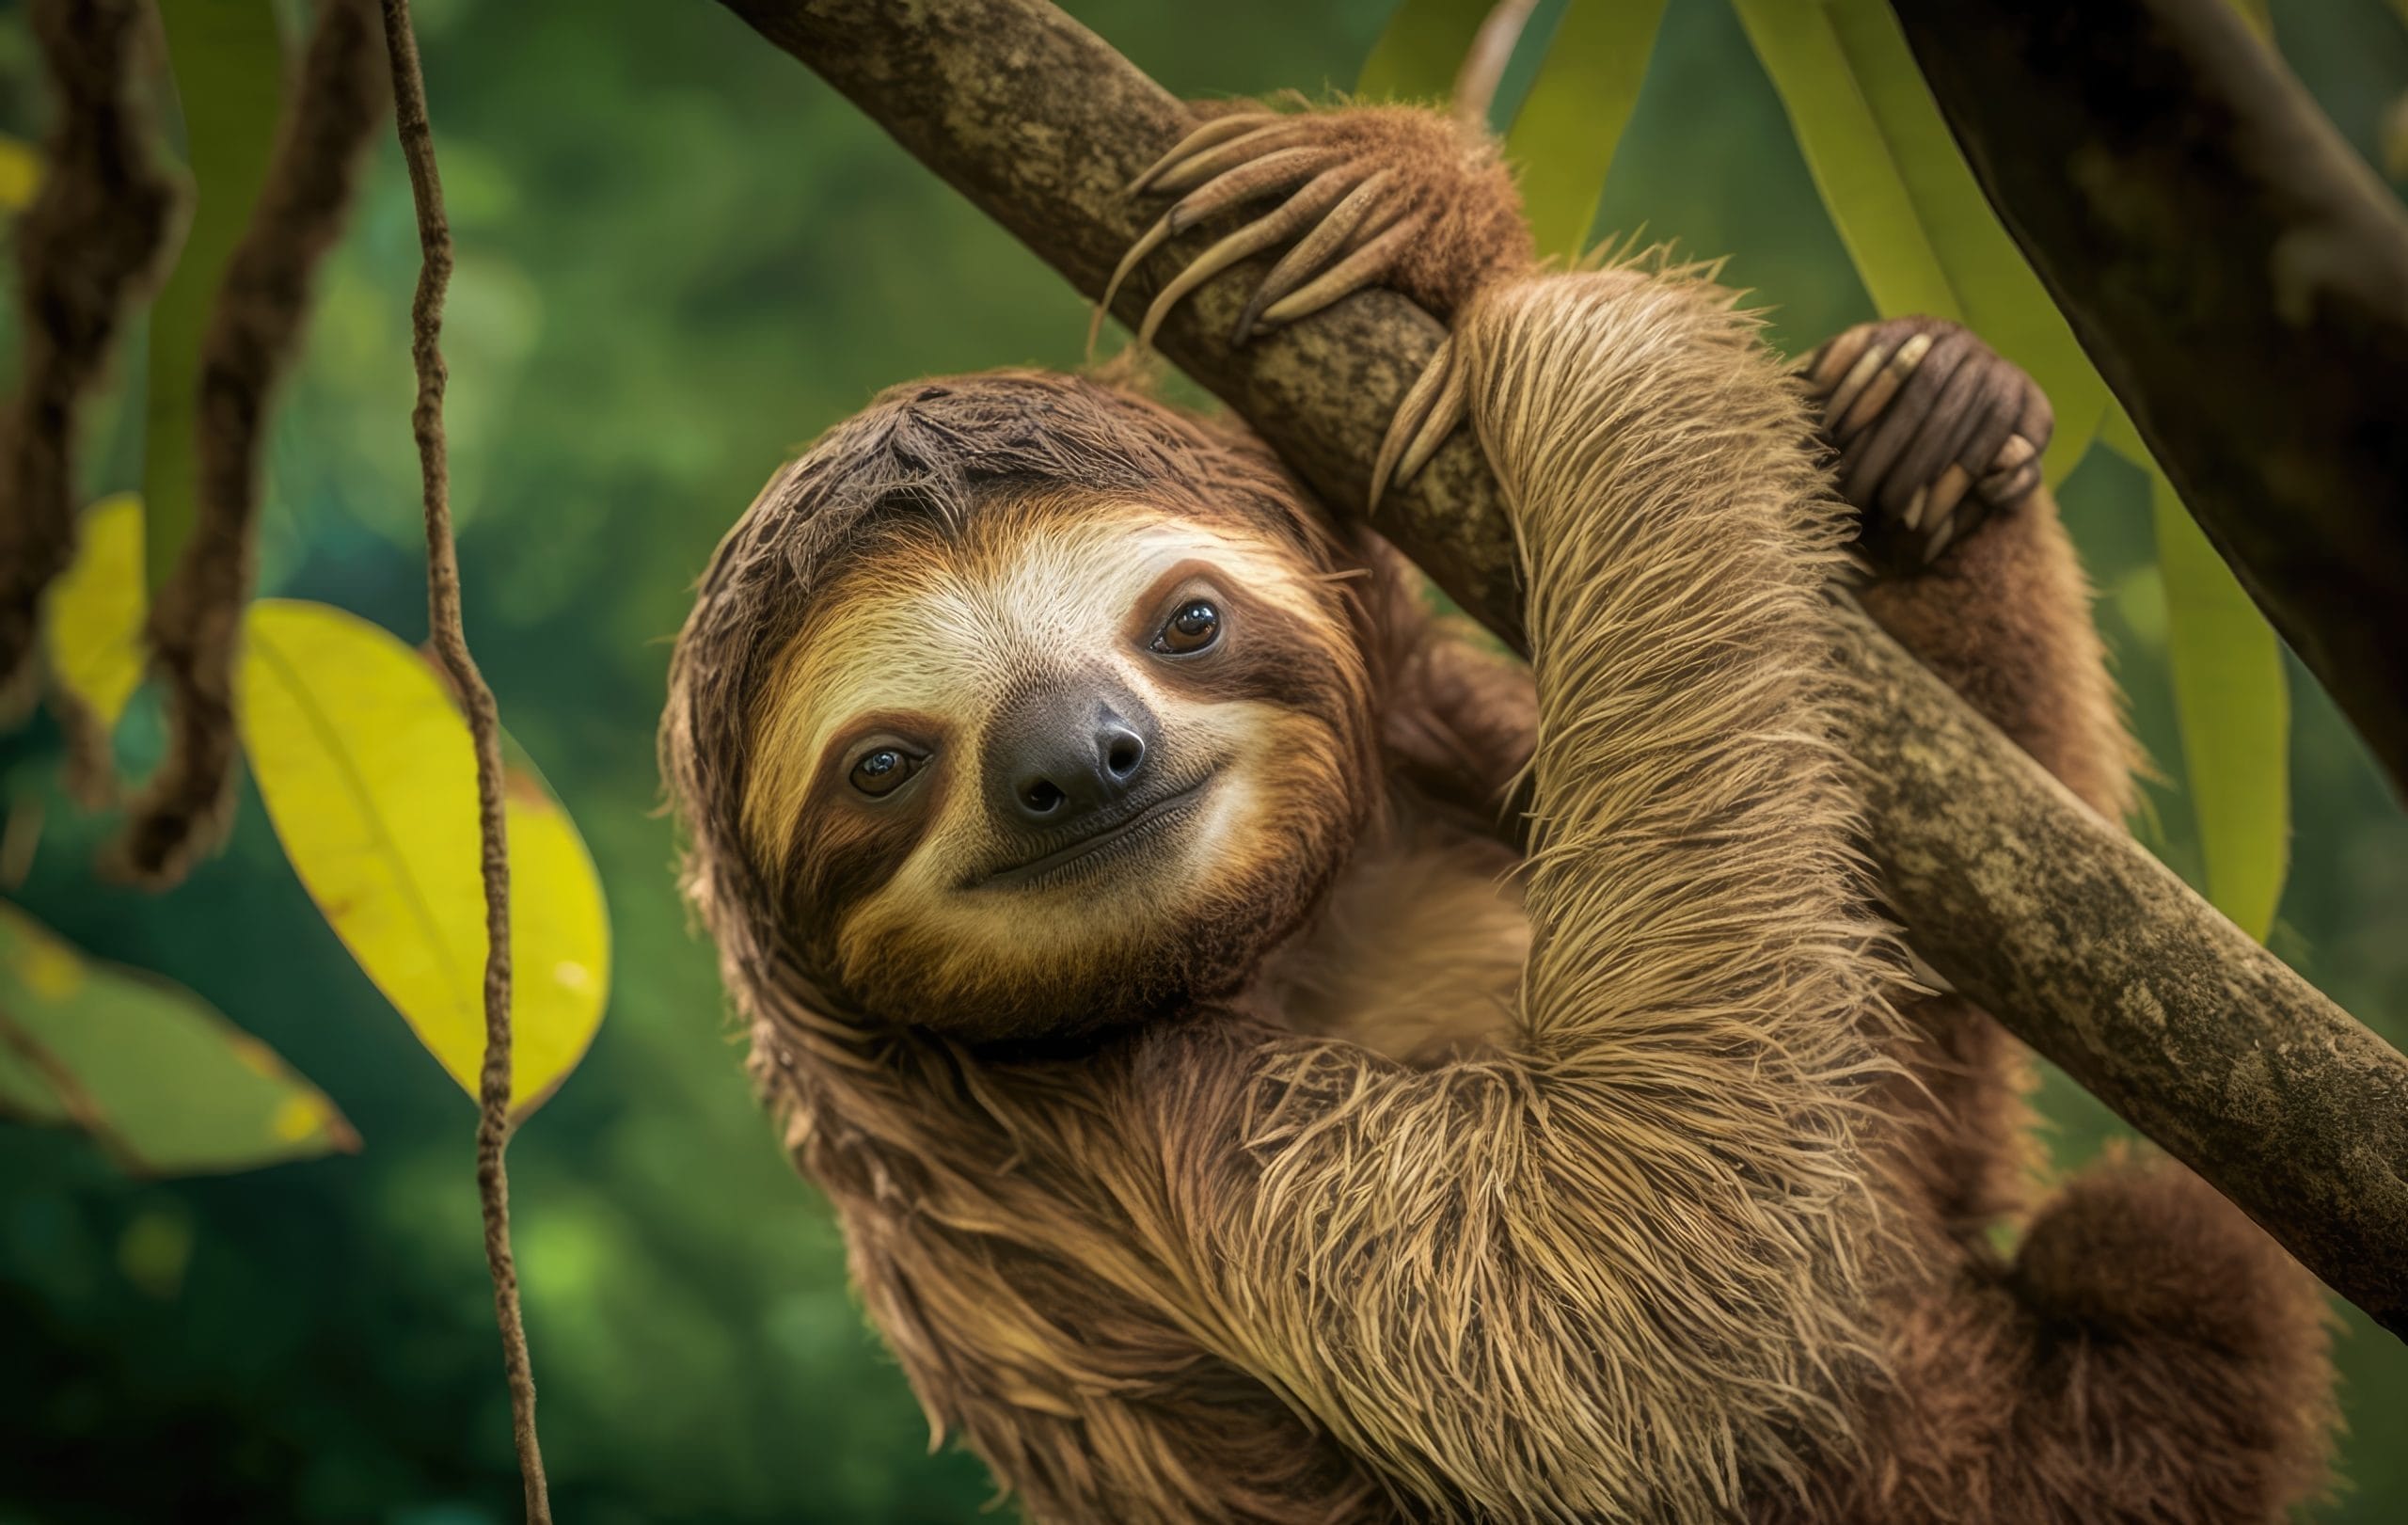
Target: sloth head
(1048, 710)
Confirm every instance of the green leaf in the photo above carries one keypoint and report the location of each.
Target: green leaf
(1925, 240)
(369, 775)
(2231, 703)
(156, 1074)
(1423, 47)
(229, 63)
(93, 618)
(1572, 119)
(1915, 221)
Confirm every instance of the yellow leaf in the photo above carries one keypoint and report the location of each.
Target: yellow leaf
(366, 767)
(94, 615)
(20, 173)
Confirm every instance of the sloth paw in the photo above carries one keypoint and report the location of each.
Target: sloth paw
(1935, 431)
(1393, 193)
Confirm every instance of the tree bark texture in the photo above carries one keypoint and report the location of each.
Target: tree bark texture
(2080, 943)
(2239, 278)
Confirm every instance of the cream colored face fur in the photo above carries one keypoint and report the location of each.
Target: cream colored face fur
(923, 645)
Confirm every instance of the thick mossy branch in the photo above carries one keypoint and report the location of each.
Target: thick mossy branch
(2082, 945)
(2239, 278)
(2099, 956)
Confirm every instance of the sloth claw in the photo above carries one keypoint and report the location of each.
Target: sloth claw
(1253, 238)
(1274, 172)
(1147, 243)
(1432, 405)
(1219, 130)
(1359, 269)
(1933, 431)
(1349, 225)
(1234, 154)
(1329, 239)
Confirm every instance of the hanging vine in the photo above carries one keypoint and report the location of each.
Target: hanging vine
(450, 643)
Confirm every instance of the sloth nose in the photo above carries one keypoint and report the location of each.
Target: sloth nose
(1062, 776)
(1063, 758)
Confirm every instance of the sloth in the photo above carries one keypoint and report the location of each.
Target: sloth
(1237, 1110)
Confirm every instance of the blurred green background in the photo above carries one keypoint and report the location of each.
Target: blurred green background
(680, 257)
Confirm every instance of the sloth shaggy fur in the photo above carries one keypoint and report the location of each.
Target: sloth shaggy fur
(1694, 1228)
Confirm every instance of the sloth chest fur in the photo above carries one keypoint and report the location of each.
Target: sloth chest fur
(1418, 954)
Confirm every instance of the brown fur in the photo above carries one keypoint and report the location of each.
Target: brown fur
(1228, 1271)
(2148, 1355)
(1656, 1234)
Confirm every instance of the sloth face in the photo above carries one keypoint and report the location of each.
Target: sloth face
(1075, 764)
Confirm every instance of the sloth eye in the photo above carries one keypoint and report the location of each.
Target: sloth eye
(1197, 626)
(883, 769)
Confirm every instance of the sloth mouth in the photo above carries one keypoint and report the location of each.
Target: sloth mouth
(1117, 839)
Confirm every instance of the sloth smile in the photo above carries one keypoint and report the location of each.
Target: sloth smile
(1114, 844)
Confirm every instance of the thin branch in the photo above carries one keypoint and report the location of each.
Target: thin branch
(1492, 49)
(2239, 277)
(451, 644)
(255, 327)
(2082, 944)
(86, 251)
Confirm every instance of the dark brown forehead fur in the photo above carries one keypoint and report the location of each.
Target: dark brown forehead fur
(926, 457)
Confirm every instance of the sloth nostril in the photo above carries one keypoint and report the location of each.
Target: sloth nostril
(1042, 796)
(1124, 755)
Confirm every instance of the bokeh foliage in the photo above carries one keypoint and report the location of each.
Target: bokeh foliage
(680, 257)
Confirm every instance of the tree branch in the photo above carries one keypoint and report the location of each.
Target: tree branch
(2239, 278)
(2080, 943)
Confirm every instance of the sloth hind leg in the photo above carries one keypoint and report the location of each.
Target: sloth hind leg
(2148, 1353)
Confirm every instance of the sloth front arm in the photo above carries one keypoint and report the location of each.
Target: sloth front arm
(1618, 1269)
